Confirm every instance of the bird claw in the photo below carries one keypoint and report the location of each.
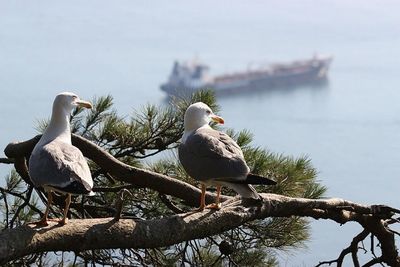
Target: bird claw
(63, 221)
(41, 223)
(200, 209)
(214, 206)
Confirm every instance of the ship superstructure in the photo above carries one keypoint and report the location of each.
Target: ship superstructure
(193, 76)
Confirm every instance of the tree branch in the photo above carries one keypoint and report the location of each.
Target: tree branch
(79, 235)
(351, 249)
(119, 170)
(6, 161)
(128, 233)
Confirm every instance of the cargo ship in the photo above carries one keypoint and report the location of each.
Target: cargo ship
(188, 77)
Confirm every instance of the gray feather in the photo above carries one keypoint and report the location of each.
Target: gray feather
(59, 164)
(210, 154)
(245, 190)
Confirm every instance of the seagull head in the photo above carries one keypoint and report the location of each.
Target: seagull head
(198, 115)
(67, 101)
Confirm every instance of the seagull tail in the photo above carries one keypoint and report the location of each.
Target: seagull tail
(245, 190)
(257, 179)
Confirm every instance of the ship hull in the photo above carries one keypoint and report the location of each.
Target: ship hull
(311, 72)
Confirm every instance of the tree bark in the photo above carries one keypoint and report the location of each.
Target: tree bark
(80, 235)
(119, 170)
(104, 233)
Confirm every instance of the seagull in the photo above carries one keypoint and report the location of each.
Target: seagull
(55, 164)
(214, 158)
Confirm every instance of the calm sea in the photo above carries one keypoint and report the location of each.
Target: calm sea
(349, 128)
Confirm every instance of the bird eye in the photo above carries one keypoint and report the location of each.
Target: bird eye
(208, 111)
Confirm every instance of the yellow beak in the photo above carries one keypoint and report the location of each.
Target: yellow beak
(83, 103)
(217, 119)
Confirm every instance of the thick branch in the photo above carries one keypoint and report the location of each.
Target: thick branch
(127, 233)
(79, 235)
(120, 171)
(6, 161)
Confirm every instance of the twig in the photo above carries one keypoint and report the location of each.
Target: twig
(119, 203)
(7, 161)
(351, 249)
(217, 260)
(114, 188)
(373, 262)
(27, 199)
(169, 204)
(232, 261)
(20, 196)
(184, 253)
(394, 232)
(5, 205)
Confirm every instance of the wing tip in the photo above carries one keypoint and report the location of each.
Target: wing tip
(257, 179)
(74, 188)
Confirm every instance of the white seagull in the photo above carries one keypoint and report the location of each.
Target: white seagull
(55, 164)
(213, 158)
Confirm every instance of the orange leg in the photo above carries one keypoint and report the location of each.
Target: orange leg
(44, 219)
(202, 198)
(217, 204)
(67, 203)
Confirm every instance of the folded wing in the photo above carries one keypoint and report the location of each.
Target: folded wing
(209, 154)
(61, 166)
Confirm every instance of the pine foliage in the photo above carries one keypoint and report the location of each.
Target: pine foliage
(135, 140)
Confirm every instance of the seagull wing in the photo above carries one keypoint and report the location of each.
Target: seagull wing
(61, 166)
(209, 154)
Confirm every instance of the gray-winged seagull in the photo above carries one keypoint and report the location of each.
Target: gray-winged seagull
(213, 158)
(55, 164)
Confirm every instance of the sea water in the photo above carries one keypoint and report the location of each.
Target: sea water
(349, 127)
